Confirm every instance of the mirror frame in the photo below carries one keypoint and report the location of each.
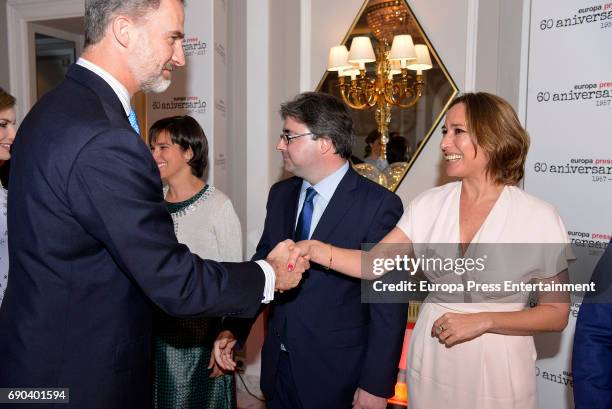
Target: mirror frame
(436, 56)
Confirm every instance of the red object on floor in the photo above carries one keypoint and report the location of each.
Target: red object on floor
(401, 390)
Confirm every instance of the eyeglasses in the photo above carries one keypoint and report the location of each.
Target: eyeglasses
(287, 137)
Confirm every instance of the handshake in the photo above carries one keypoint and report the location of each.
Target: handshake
(289, 261)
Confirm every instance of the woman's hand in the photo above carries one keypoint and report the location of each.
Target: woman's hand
(307, 248)
(222, 355)
(452, 329)
(316, 252)
(216, 370)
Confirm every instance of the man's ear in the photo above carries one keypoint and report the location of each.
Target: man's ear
(123, 30)
(326, 145)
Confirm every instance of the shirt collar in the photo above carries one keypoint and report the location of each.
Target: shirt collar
(120, 90)
(328, 185)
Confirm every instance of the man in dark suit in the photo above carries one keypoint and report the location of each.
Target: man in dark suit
(592, 357)
(92, 247)
(324, 348)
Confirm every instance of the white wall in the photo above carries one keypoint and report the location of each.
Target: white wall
(265, 70)
(498, 56)
(264, 65)
(446, 24)
(4, 62)
(237, 108)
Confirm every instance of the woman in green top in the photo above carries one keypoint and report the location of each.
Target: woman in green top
(205, 220)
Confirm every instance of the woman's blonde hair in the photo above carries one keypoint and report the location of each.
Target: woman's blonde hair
(493, 123)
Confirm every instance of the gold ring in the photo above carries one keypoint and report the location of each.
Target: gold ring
(441, 327)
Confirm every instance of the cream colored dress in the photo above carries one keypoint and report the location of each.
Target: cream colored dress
(492, 371)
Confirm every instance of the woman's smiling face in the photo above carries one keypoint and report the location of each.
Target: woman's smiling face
(463, 157)
(8, 129)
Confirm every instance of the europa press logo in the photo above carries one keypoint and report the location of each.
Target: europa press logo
(590, 240)
(599, 15)
(194, 46)
(599, 170)
(599, 93)
(188, 104)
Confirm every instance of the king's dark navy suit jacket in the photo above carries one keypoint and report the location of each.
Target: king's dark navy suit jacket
(592, 357)
(92, 251)
(336, 342)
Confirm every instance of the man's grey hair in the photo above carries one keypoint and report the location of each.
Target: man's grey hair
(98, 14)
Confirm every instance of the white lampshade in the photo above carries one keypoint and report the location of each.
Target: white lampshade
(402, 48)
(361, 51)
(349, 71)
(395, 67)
(423, 61)
(338, 58)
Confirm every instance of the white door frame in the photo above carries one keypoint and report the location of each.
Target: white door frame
(34, 29)
(18, 14)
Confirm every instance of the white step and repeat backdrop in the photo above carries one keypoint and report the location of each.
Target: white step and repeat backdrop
(569, 118)
(198, 89)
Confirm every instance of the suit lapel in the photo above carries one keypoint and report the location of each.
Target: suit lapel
(338, 206)
(292, 207)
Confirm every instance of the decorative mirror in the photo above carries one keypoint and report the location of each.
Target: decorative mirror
(395, 83)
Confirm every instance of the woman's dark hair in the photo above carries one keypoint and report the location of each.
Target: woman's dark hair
(371, 138)
(6, 100)
(188, 134)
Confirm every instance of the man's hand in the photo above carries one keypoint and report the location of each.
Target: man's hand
(365, 400)
(288, 265)
(222, 356)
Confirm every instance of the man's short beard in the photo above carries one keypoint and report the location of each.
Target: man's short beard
(140, 64)
(157, 85)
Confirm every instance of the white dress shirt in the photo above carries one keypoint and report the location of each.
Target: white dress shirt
(124, 97)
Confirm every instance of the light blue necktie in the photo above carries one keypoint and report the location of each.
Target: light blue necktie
(134, 121)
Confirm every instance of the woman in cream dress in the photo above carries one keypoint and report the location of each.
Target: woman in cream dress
(474, 350)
